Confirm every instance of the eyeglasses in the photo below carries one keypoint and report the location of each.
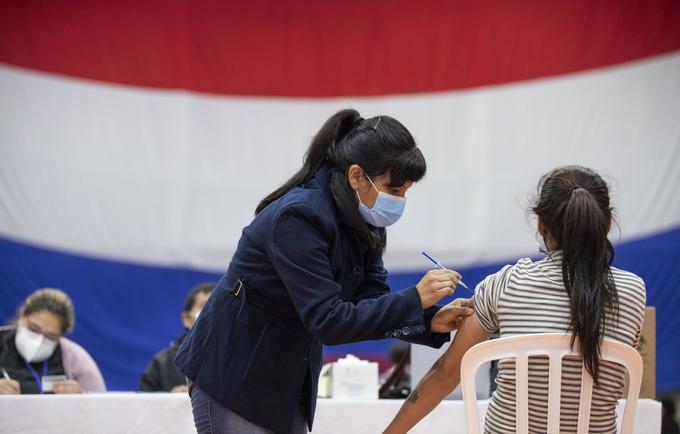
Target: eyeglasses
(35, 328)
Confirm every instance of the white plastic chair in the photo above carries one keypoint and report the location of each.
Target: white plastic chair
(555, 346)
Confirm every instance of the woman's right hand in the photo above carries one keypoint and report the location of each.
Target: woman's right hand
(9, 387)
(435, 285)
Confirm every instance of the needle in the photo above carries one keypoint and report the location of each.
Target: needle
(435, 262)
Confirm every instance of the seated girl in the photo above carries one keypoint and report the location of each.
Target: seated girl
(573, 290)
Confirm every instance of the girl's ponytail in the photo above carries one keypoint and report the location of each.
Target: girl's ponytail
(587, 256)
(573, 206)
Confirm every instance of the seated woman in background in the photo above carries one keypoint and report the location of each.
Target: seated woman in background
(574, 289)
(37, 348)
(162, 375)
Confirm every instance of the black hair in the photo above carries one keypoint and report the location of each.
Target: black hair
(573, 205)
(201, 288)
(397, 351)
(668, 405)
(380, 145)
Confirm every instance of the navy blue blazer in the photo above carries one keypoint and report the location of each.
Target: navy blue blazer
(298, 280)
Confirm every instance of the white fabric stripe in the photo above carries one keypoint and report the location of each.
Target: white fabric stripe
(169, 177)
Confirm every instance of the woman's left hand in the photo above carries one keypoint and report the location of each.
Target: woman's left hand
(66, 386)
(449, 316)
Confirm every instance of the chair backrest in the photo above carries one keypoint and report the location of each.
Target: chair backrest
(555, 346)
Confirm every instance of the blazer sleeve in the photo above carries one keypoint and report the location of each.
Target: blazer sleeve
(299, 250)
(374, 285)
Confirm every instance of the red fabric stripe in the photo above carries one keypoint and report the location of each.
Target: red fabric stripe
(322, 49)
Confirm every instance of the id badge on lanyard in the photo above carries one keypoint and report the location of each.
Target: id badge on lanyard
(38, 379)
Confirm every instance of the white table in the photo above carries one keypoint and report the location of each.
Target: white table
(171, 413)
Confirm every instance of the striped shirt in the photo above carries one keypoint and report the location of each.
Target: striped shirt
(529, 297)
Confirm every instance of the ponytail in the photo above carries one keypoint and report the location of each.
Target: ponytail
(332, 132)
(587, 256)
(573, 205)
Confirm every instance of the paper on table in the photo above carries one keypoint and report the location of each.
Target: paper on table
(49, 380)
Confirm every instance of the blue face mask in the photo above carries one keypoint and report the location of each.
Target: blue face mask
(386, 210)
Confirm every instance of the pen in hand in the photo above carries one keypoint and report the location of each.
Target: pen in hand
(437, 264)
(9, 386)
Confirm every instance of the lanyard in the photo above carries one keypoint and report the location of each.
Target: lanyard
(35, 374)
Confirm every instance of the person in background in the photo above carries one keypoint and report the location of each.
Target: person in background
(668, 422)
(396, 380)
(36, 348)
(162, 375)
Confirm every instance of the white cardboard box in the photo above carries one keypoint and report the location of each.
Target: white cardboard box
(349, 378)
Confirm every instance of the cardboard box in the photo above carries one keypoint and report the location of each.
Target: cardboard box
(349, 378)
(647, 350)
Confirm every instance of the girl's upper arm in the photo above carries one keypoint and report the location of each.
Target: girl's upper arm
(469, 334)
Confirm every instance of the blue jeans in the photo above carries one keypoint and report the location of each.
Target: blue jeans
(211, 417)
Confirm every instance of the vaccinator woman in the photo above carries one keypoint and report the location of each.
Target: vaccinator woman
(308, 271)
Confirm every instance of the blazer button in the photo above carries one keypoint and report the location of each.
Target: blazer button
(356, 271)
(406, 331)
(396, 333)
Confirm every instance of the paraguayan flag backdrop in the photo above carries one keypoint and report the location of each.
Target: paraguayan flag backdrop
(137, 137)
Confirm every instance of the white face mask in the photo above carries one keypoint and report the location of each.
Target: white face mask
(33, 346)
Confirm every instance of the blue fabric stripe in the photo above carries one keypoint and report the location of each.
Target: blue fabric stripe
(126, 312)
